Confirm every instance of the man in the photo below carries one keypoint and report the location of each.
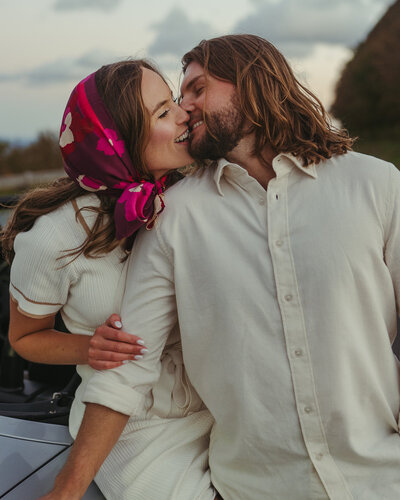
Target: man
(281, 263)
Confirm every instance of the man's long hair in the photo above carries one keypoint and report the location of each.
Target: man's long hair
(282, 113)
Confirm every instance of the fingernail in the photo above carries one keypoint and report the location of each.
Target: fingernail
(140, 342)
(118, 324)
(143, 351)
(125, 361)
(138, 356)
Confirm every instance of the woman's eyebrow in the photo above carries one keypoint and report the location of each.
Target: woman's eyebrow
(159, 105)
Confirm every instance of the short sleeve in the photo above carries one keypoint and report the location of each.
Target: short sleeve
(39, 280)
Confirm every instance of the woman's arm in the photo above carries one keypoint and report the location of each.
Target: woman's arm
(149, 297)
(36, 339)
(88, 452)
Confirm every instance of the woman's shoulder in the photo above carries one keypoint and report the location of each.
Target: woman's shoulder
(75, 214)
(72, 207)
(65, 227)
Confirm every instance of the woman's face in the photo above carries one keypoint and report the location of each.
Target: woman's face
(167, 148)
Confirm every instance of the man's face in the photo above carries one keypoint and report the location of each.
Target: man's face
(218, 100)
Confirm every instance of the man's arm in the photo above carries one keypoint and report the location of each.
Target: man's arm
(88, 452)
(392, 230)
(148, 309)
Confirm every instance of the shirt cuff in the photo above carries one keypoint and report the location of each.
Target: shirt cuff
(33, 308)
(122, 398)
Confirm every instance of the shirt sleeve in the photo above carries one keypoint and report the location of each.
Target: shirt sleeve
(39, 280)
(392, 231)
(149, 311)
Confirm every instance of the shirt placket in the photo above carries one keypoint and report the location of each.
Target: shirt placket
(297, 343)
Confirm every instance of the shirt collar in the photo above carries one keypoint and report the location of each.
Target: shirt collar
(287, 161)
(283, 163)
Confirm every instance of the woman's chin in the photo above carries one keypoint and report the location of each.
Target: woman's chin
(187, 160)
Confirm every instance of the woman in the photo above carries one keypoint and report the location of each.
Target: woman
(122, 135)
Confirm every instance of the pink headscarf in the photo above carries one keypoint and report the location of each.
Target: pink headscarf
(95, 157)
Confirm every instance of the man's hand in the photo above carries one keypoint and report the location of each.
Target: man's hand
(111, 347)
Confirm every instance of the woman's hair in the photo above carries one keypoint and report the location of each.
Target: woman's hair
(119, 86)
(282, 113)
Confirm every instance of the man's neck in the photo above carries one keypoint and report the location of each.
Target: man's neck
(259, 168)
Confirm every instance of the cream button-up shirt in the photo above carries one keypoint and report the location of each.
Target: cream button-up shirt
(286, 300)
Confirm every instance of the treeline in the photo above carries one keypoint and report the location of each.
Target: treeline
(43, 154)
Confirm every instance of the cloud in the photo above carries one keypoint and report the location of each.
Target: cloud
(176, 34)
(104, 5)
(61, 70)
(296, 27)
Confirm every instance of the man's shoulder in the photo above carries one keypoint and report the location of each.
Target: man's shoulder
(188, 202)
(359, 167)
(194, 186)
(353, 160)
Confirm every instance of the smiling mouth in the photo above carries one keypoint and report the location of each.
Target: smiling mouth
(196, 124)
(183, 137)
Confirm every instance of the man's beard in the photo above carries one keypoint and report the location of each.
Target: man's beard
(223, 132)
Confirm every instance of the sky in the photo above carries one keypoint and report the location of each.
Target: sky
(47, 46)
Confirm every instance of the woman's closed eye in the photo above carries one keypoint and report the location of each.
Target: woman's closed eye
(164, 113)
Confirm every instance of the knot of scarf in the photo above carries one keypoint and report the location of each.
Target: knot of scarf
(140, 203)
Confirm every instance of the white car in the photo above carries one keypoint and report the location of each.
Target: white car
(31, 455)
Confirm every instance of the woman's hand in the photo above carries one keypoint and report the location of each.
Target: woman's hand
(111, 347)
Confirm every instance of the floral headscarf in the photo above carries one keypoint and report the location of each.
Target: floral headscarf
(95, 157)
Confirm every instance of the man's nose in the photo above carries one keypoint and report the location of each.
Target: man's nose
(186, 104)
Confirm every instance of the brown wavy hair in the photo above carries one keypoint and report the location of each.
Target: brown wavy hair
(282, 113)
(119, 85)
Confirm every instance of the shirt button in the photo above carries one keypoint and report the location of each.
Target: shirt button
(308, 409)
(261, 202)
(298, 352)
(288, 297)
(319, 456)
(278, 243)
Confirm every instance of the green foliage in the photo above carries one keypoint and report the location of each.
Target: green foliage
(367, 94)
(43, 154)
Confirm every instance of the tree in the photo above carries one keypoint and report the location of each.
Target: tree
(367, 94)
(43, 154)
